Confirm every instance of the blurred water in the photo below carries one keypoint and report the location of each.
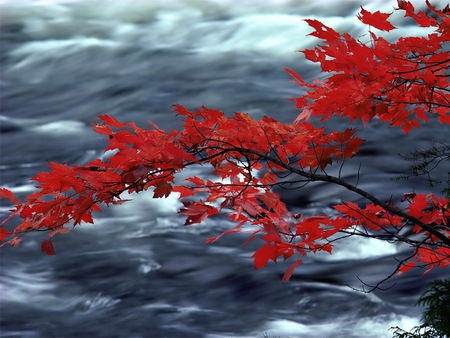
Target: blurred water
(138, 272)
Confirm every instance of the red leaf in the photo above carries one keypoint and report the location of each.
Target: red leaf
(419, 203)
(327, 247)
(4, 233)
(311, 54)
(197, 212)
(102, 129)
(162, 189)
(47, 247)
(13, 241)
(5, 193)
(183, 191)
(290, 270)
(213, 239)
(406, 267)
(197, 181)
(406, 5)
(83, 213)
(113, 122)
(263, 254)
(295, 76)
(322, 31)
(58, 230)
(304, 115)
(444, 119)
(351, 147)
(377, 20)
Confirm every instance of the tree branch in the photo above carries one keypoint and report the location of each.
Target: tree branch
(335, 180)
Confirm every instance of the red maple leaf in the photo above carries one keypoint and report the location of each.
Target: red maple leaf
(263, 254)
(377, 20)
(162, 189)
(5, 193)
(47, 247)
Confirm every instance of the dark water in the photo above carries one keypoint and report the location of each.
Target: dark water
(138, 272)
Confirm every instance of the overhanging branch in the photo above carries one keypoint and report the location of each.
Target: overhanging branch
(313, 176)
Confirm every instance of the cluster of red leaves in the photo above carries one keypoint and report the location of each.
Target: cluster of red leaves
(398, 82)
(428, 209)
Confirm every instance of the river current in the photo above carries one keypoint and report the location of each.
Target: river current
(138, 272)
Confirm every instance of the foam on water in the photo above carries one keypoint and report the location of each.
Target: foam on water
(360, 325)
(270, 27)
(358, 248)
(96, 303)
(19, 285)
(157, 207)
(36, 52)
(62, 127)
(377, 327)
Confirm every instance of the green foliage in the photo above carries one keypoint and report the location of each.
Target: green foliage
(436, 316)
(437, 300)
(417, 332)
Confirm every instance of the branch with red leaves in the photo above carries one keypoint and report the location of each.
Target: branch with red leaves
(403, 83)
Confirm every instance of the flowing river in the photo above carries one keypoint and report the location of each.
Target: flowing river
(138, 272)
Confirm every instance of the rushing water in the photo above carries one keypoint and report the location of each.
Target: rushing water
(138, 272)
